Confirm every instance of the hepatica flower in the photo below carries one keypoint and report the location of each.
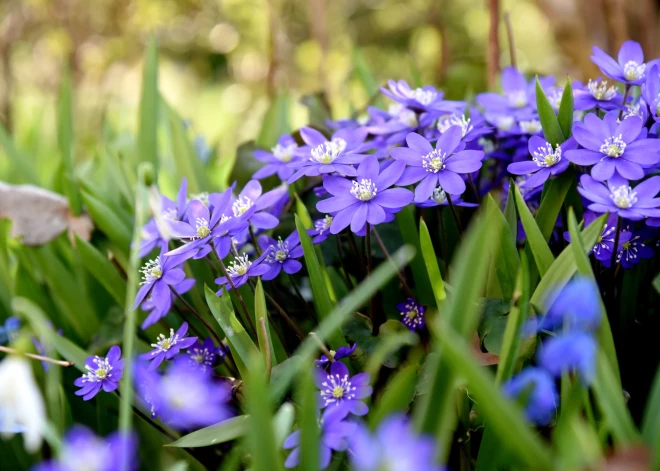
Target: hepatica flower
(439, 198)
(335, 432)
(202, 355)
(325, 156)
(651, 92)
(158, 312)
(9, 331)
(240, 270)
(412, 314)
(471, 128)
(167, 348)
(540, 392)
(620, 198)
(422, 99)
(342, 352)
(366, 199)
(612, 146)
(251, 205)
(321, 229)
(170, 211)
(604, 244)
(517, 99)
(546, 161)
(439, 166)
(573, 352)
(633, 248)
(157, 277)
(395, 445)
(629, 67)
(598, 93)
(278, 159)
(339, 389)
(102, 373)
(281, 255)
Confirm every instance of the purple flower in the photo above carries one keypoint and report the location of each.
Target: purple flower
(335, 432)
(157, 277)
(517, 100)
(101, 373)
(633, 248)
(321, 229)
(277, 159)
(630, 66)
(617, 197)
(437, 167)
(240, 270)
(541, 396)
(202, 355)
(336, 155)
(9, 331)
(394, 445)
(575, 306)
(598, 93)
(651, 92)
(439, 198)
(367, 200)
(250, 205)
(281, 255)
(471, 128)
(604, 244)
(423, 99)
(82, 449)
(167, 348)
(394, 124)
(184, 397)
(614, 146)
(156, 313)
(546, 161)
(342, 352)
(573, 352)
(340, 390)
(412, 314)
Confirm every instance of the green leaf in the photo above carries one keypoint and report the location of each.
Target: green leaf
(283, 421)
(240, 343)
(537, 243)
(108, 221)
(565, 115)
(332, 323)
(397, 396)
(147, 138)
(390, 343)
(322, 301)
(549, 122)
(651, 421)
(408, 229)
(309, 424)
(222, 432)
(65, 141)
(510, 212)
(431, 262)
(502, 415)
(103, 270)
(261, 435)
(263, 333)
(70, 352)
(556, 191)
(18, 161)
(276, 121)
(506, 257)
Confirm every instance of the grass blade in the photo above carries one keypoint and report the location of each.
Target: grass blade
(537, 243)
(565, 115)
(549, 122)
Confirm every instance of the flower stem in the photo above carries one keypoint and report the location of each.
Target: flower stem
(302, 299)
(358, 254)
(254, 240)
(443, 242)
(293, 325)
(399, 275)
(197, 315)
(616, 244)
(322, 347)
(347, 276)
(64, 363)
(372, 314)
(625, 99)
(454, 214)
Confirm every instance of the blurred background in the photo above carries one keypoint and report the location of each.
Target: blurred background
(222, 63)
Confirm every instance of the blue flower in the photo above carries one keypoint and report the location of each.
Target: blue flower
(394, 445)
(573, 352)
(278, 159)
(546, 161)
(628, 69)
(597, 93)
(342, 352)
(202, 355)
(633, 248)
(9, 331)
(102, 373)
(240, 270)
(158, 312)
(340, 390)
(427, 98)
(620, 198)
(540, 393)
(281, 255)
(321, 229)
(412, 314)
(167, 348)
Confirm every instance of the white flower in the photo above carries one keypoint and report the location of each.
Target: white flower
(21, 402)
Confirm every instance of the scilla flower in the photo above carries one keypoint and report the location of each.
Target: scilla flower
(102, 373)
(167, 348)
(620, 198)
(629, 68)
(21, 403)
(365, 200)
(339, 389)
(540, 392)
(546, 161)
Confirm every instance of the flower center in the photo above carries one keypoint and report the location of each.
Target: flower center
(504, 123)
(613, 146)
(337, 389)
(412, 314)
(439, 195)
(518, 99)
(448, 121)
(279, 253)
(546, 157)
(202, 228)
(327, 152)
(633, 71)
(624, 197)
(239, 266)
(323, 225)
(531, 127)
(151, 271)
(169, 214)
(163, 343)
(241, 205)
(486, 144)
(364, 190)
(424, 97)
(101, 372)
(434, 161)
(600, 90)
(284, 153)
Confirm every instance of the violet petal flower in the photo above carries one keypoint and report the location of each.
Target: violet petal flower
(251, 205)
(321, 229)
(617, 197)
(167, 348)
(573, 352)
(339, 389)
(202, 355)
(240, 270)
(614, 147)
(629, 67)
(281, 255)
(278, 159)
(367, 200)
(542, 397)
(441, 166)
(598, 93)
(412, 314)
(102, 373)
(426, 98)
(634, 248)
(342, 352)
(546, 161)
(157, 277)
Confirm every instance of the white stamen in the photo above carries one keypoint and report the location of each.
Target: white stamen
(151, 271)
(518, 99)
(613, 146)
(102, 371)
(202, 228)
(600, 90)
(434, 161)
(624, 197)
(241, 205)
(239, 266)
(284, 153)
(327, 152)
(633, 71)
(279, 253)
(163, 343)
(323, 225)
(439, 195)
(424, 97)
(448, 121)
(531, 127)
(364, 190)
(203, 197)
(337, 389)
(504, 123)
(546, 157)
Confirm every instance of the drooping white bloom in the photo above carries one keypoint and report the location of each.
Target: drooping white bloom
(21, 402)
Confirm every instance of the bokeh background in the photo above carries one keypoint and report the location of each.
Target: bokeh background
(223, 62)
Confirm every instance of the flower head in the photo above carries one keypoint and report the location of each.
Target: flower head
(629, 68)
(546, 161)
(167, 348)
(278, 159)
(241, 269)
(281, 255)
(339, 389)
(102, 373)
(342, 352)
(597, 93)
(620, 198)
(412, 314)
(540, 392)
(422, 99)
(203, 354)
(572, 352)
